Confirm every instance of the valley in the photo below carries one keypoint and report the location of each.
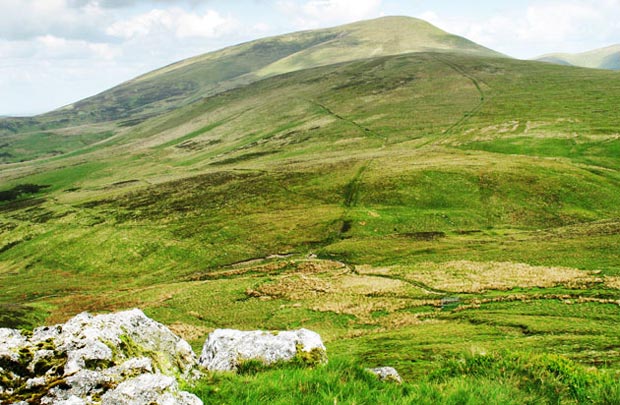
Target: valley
(414, 208)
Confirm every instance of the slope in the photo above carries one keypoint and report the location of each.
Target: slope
(603, 58)
(187, 81)
(410, 208)
(212, 73)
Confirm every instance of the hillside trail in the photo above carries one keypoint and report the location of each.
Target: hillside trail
(417, 284)
(351, 194)
(352, 189)
(365, 130)
(469, 114)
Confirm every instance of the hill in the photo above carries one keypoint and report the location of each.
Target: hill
(603, 58)
(449, 214)
(193, 79)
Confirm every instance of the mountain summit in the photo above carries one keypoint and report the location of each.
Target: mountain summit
(379, 37)
(214, 72)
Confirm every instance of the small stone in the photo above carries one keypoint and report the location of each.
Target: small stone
(386, 374)
(225, 349)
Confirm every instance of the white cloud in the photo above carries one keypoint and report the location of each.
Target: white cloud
(556, 21)
(128, 3)
(51, 47)
(53, 52)
(320, 13)
(208, 25)
(176, 21)
(27, 19)
(542, 27)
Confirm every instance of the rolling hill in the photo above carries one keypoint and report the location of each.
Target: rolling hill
(603, 58)
(451, 213)
(190, 80)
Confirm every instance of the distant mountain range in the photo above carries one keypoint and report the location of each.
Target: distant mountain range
(603, 58)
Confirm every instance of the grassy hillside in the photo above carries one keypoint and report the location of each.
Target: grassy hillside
(214, 72)
(193, 79)
(452, 215)
(603, 58)
(472, 379)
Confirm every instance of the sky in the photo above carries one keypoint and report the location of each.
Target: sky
(55, 52)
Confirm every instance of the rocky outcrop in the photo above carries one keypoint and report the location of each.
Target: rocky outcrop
(226, 349)
(127, 358)
(386, 374)
(110, 359)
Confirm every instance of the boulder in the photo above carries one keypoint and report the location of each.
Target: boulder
(83, 360)
(386, 374)
(226, 349)
(148, 389)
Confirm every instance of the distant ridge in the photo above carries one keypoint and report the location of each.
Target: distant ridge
(602, 58)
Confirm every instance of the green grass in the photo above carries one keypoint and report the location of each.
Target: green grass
(30, 146)
(377, 170)
(191, 135)
(507, 378)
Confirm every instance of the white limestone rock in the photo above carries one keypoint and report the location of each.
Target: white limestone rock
(89, 340)
(11, 341)
(35, 382)
(386, 374)
(72, 400)
(80, 361)
(149, 389)
(225, 349)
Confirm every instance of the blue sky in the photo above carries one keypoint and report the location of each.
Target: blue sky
(54, 52)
